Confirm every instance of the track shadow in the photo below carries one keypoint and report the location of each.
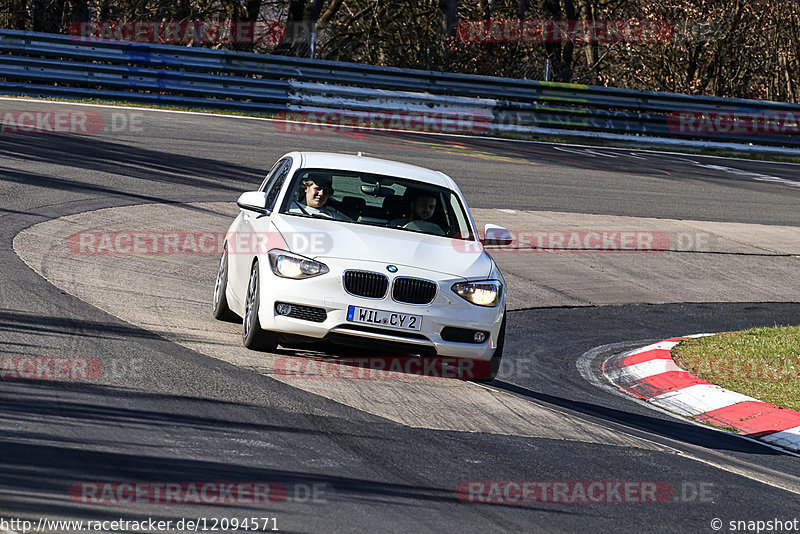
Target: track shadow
(152, 442)
(98, 155)
(675, 430)
(12, 322)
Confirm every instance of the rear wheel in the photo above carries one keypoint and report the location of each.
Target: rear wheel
(497, 357)
(253, 336)
(221, 309)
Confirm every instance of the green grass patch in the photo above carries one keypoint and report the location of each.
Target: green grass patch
(761, 362)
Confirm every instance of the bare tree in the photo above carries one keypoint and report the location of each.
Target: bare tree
(449, 9)
(301, 22)
(736, 48)
(14, 14)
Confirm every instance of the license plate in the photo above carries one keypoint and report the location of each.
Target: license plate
(401, 321)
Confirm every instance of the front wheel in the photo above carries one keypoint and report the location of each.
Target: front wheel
(497, 357)
(221, 309)
(253, 336)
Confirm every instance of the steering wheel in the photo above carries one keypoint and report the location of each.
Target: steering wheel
(426, 227)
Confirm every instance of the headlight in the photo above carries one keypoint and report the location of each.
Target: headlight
(288, 265)
(485, 293)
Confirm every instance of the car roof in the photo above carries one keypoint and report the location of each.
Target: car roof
(329, 160)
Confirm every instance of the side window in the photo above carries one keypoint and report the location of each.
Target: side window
(277, 183)
(460, 225)
(271, 174)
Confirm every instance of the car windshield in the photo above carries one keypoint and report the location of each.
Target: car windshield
(377, 200)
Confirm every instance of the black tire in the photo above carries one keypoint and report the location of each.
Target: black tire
(220, 303)
(497, 357)
(253, 336)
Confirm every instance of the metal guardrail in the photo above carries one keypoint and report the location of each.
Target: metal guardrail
(50, 65)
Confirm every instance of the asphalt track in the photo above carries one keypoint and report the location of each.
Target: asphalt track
(168, 413)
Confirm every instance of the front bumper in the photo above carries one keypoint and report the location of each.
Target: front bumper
(327, 292)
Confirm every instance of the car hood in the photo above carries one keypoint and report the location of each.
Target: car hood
(320, 239)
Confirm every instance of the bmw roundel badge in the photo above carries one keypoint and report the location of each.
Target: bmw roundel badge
(391, 268)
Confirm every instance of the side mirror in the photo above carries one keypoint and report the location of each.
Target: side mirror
(253, 201)
(496, 235)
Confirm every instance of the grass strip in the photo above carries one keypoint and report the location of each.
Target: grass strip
(761, 362)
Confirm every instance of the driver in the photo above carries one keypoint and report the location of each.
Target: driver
(423, 206)
(317, 189)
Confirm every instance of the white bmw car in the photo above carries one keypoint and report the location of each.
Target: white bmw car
(363, 252)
